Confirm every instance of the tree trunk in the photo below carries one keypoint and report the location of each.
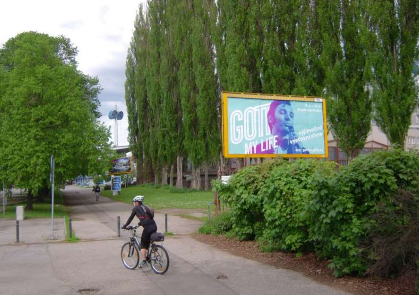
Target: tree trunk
(29, 204)
(179, 172)
(156, 179)
(206, 177)
(42, 193)
(139, 171)
(164, 176)
(150, 172)
(171, 174)
(196, 177)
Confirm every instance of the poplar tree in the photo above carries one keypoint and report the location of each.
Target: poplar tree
(395, 27)
(238, 38)
(136, 96)
(348, 71)
(208, 137)
(187, 86)
(171, 102)
(154, 47)
(239, 45)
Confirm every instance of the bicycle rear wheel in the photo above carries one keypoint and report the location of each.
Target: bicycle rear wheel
(130, 256)
(159, 259)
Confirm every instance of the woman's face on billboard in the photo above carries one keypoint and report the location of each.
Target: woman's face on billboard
(284, 118)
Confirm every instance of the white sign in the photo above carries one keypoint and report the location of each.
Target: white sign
(225, 179)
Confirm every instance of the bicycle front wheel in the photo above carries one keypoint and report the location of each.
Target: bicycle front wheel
(130, 256)
(159, 259)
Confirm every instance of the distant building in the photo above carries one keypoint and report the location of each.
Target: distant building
(376, 140)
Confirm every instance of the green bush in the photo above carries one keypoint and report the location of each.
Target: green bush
(343, 208)
(243, 198)
(219, 225)
(364, 217)
(417, 278)
(286, 195)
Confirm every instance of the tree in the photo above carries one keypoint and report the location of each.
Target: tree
(348, 71)
(171, 111)
(154, 47)
(207, 103)
(394, 43)
(47, 110)
(239, 42)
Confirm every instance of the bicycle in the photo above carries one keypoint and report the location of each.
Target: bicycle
(156, 255)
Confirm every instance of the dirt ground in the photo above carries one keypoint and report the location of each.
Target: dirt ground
(309, 265)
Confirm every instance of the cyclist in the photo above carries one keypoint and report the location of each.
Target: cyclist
(146, 221)
(96, 189)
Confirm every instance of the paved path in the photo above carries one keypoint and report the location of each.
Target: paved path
(31, 230)
(94, 263)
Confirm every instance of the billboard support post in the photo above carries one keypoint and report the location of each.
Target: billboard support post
(4, 203)
(52, 195)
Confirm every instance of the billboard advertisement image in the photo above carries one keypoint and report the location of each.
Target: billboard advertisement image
(121, 166)
(263, 125)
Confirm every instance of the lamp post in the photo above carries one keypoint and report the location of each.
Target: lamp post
(117, 116)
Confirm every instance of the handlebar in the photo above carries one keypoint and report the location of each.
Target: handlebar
(130, 227)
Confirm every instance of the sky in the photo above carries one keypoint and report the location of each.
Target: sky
(100, 29)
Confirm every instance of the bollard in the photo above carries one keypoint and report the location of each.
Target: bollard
(118, 221)
(209, 212)
(165, 223)
(17, 231)
(70, 228)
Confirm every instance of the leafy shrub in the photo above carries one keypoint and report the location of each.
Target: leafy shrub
(219, 225)
(394, 239)
(417, 278)
(286, 194)
(341, 212)
(245, 202)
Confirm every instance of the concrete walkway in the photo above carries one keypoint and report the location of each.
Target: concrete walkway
(31, 231)
(93, 266)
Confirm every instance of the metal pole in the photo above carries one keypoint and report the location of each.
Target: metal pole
(165, 223)
(70, 228)
(17, 231)
(52, 196)
(4, 203)
(118, 221)
(209, 212)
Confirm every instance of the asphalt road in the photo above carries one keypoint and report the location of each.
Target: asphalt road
(93, 265)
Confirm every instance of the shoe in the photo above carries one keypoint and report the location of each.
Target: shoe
(143, 264)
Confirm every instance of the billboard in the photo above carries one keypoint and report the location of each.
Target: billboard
(267, 126)
(121, 166)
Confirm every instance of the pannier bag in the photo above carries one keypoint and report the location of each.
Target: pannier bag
(157, 237)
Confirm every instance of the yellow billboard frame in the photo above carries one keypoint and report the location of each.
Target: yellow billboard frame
(224, 122)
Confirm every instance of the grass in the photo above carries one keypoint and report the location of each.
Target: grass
(40, 210)
(164, 197)
(187, 216)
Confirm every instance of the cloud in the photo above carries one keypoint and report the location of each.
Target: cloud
(72, 25)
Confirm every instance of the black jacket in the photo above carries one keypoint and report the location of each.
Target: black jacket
(142, 215)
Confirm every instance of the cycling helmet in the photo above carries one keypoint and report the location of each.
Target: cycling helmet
(138, 199)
